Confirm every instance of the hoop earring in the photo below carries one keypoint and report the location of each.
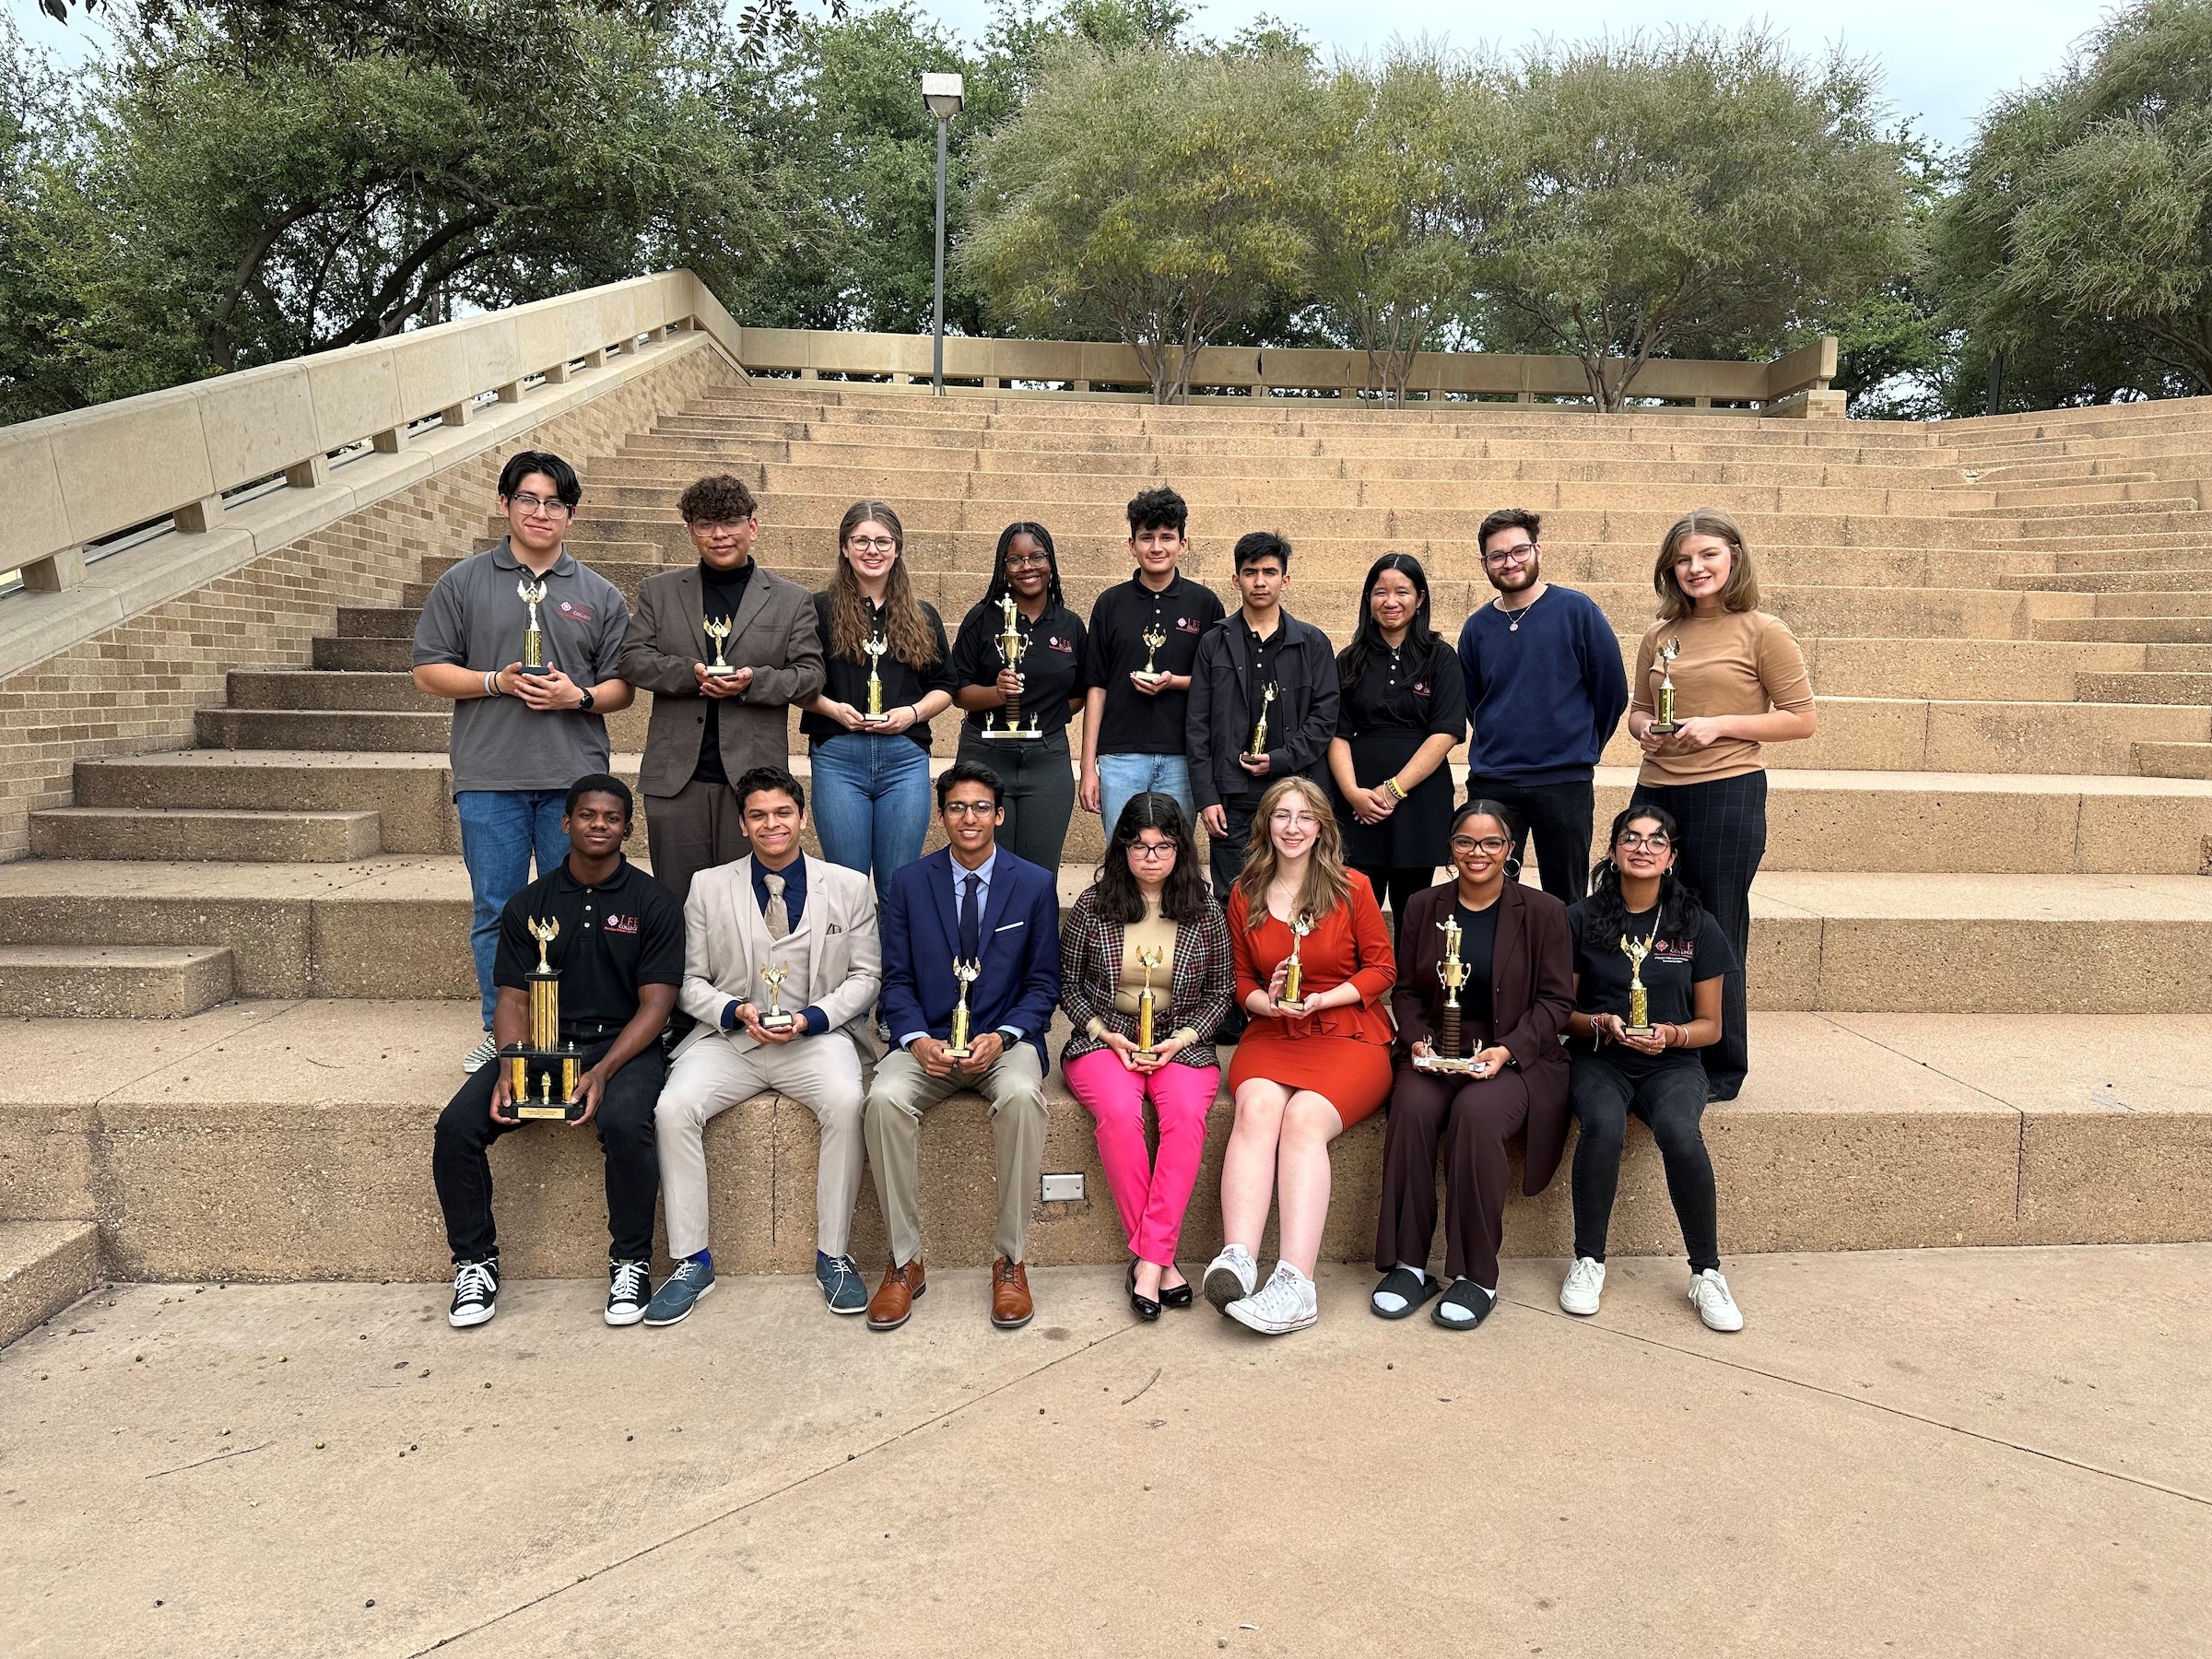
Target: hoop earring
(1513, 869)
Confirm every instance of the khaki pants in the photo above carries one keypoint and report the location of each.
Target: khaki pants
(904, 1091)
(821, 1073)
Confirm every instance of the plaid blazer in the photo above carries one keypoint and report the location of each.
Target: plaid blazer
(1200, 983)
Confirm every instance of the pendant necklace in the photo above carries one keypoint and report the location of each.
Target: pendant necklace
(1513, 624)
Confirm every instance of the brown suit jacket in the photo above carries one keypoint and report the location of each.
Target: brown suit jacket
(1532, 991)
(774, 637)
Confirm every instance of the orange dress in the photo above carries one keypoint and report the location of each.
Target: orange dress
(1342, 1054)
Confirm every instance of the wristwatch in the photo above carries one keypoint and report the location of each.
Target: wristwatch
(584, 705)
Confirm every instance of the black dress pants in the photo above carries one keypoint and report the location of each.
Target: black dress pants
(1558, 817)
(1468, 1120)
(1039, 793)
(1671, 1100)
(462, 1172)
(1723, 838)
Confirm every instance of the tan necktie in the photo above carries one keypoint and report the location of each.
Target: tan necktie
(776, 916)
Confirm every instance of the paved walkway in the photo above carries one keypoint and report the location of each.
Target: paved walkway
(1936, 1452)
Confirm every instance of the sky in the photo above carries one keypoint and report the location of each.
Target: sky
(1943, 61)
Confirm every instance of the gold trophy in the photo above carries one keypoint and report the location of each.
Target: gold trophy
(1259, 732)
(1666, 724)
(1294, 971)
(533, 593)
(1454, 973)
(543, 1061)
(1639, 1023)
(1147, 958)
(718, 629)
(1154, 638)
(875, 647)
(776, 1019)
(966, 972)
(1012, 644)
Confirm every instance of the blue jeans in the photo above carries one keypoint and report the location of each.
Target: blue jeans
(500, 829)
(871, 802)
(1121, 776)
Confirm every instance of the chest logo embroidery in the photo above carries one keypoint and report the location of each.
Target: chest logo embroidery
(1057, 643)
(1420, 688)
(1186, 625)
(568, 607)
(620, 924)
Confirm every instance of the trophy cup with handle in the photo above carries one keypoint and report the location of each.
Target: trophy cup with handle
(1454, 973)
(544, 1066)
(967, 973)
(1666, 724)
(718, 629)
(1294, 971)
(1012, 645)
(777, 1019)
(874, 646)
(533, 593)
(1639, 1023)
(1147, 958)
(1259, 731)
(1154, 638)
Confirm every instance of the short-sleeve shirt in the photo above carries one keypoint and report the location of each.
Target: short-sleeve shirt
(847, 682)
(1736, 663)
(475, 618)
(1670, 975)
(1134, 724)
(624, 933)
(1397, 691)
(1052, 665)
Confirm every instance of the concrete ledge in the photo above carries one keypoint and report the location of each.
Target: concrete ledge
(44, 1266)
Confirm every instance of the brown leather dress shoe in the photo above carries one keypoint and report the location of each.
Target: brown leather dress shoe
(1010, 1305)
(893, 1302)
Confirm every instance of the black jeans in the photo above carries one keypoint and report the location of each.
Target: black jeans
(1225, 857)
(1040, 795)
(1394, 885)
(1723, 838)
(1670, 1101)
(465, 1132)
(1558, 816)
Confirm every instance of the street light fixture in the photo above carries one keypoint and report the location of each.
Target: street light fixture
(943, 95)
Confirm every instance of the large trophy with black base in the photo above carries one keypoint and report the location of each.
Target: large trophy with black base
(1447, 1055)
(542, 1072)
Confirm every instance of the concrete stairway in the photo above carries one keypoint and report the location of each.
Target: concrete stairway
(2008, 810)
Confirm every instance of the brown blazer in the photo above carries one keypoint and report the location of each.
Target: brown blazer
(774, 636)
(1532, 991)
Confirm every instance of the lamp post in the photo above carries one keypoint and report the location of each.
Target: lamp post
(942, 93)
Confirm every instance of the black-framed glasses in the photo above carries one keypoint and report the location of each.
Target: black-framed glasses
(872, 544)
(1152, 851)
(533, 505)
(1654, 842)
(1022, 561)
(1467, 846)
(1511, 556)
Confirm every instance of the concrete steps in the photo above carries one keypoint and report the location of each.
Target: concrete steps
(139, 833)
(44, 1266)
(143, 982)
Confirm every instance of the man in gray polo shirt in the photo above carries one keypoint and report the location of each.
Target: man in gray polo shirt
(520, 738)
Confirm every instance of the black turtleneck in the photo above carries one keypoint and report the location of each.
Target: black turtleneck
(721, 592)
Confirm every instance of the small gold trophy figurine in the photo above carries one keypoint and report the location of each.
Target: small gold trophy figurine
(1666, 724)
(533, 637)
(718, 629)
(1147, 958)
(1294, 971)
(1639, 1023)
(543, 1061)
(966, 973)
(875, 647)
(776, 1019)
(1154, 638)
(1012, 645)
(1454, 973)
(1259, 732)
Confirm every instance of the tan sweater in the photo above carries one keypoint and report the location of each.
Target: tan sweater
(1738, 662)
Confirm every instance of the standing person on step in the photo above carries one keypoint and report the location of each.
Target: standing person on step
(1143, 639)
(619, 952)
(971, 946)
(889, 671)
(709, 727)
(1739, 681)
(1146, 921)
(1401, 711)
(800, 1029)
(1315, 1058)
(1045, 682)
(1511, 959)
(1642, 926)
(1544, 688)
(522, 732)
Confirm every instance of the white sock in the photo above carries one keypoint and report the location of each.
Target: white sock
(1417, 1273)
(1461, 1316)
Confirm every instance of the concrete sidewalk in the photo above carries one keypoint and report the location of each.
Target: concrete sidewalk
(2001, 1452)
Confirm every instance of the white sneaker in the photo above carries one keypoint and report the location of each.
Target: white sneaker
(628, 1291)
(482, 1056)
(1708, 1294)
(1230, 1277)
(1585, 1283)
(1285, 1303)
(475, 1294)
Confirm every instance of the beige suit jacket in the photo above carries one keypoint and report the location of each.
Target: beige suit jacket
(726, 944)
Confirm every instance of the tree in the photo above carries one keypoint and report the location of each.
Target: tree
(1700, 193)
(1146, 194)
(2079, 241)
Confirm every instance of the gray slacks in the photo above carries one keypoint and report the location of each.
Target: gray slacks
(904, 1091)
(691, 831)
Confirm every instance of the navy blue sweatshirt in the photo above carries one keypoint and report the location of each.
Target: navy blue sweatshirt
(1544, 699)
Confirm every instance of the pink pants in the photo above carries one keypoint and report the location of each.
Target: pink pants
(1150, 1196)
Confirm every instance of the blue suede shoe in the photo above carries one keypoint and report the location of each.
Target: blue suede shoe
(843, 1287)
(673, 1302)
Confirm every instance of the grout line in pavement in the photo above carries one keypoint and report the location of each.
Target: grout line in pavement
(760, 1498)
(1871, 1404)
(277, 1007)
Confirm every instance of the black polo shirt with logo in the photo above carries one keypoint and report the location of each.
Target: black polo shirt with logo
(1135, 724)
(1051, 662)
(624, 933)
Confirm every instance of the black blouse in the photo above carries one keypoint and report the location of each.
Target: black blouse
(1055, 653)
(1397, 693)
(847, 682)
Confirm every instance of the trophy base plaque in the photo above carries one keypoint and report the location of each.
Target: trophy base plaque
(542, 1080)
(778, 1022)
(1443, 1062)
(1151, 678)
(720, 670)
(1643, 1033)
(1664, 728)
(1012, 735)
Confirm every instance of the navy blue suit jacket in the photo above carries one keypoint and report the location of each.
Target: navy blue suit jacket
(1020, 985)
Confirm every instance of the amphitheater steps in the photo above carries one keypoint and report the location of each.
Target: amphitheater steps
(44, 1266)
(2174, 759)
(190, 833)
(145, 982)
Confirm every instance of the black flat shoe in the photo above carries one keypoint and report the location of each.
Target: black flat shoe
(1178, 1296)
(1143, 1307)
(1401, 1282)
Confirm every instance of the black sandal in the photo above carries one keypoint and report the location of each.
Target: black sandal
(1403, 1282)
(1464, 1293)
(1143, 1307)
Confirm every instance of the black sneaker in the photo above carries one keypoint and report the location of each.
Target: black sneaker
(476, 1293)
(629, 1288)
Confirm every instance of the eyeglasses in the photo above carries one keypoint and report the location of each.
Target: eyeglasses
(1022, 561)
(719, 526)
(532, 506)
(1467, 846)
(1152, 851)
(1511, 556)
(970, 808)
(1657, 843)
(1294, 820)
(872, 544)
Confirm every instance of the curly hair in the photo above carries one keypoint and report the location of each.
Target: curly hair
(1604, 911)
(912, 640)
(1326, 884)
(717, 498)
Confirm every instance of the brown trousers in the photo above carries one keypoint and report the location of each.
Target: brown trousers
(1469, 1121)
(693, 830)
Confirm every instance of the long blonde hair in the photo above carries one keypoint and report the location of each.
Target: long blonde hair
(911, 639)
(1739, 593)
(1325, 887)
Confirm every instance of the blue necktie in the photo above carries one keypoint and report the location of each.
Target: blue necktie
(971, 920)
